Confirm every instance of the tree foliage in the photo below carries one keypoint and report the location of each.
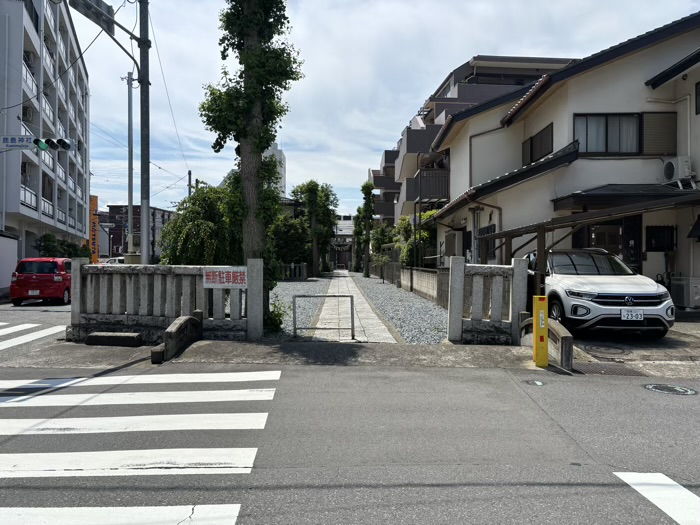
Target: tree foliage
(382, 234)
(319, 204)
(410, 237)
(291, 238)
(247, 106)
(49, 246)
(367, 213)
(357, 238)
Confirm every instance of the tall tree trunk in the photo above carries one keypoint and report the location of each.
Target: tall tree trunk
(314, 247)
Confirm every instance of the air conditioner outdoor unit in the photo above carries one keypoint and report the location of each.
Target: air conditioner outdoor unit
(685, 292)
(27, 113)
(677, 168)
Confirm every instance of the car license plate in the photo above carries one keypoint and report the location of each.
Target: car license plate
(630, 314)
(33, 292)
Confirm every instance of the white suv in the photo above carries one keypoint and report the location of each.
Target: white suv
(591, 288)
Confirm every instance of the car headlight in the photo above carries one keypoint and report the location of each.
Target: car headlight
(664, 295)
(581, 295)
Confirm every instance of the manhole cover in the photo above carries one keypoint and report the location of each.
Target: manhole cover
(671, 389)
(605, 350)
(608, 369)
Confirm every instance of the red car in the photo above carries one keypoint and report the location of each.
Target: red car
(41, 278)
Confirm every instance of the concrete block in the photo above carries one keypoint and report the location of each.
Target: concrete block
(184, 331)
(129, 339)
(455, 302)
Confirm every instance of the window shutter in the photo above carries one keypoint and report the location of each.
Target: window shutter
(527, 155)
(660, 133)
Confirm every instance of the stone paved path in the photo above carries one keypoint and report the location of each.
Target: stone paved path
(334, 321)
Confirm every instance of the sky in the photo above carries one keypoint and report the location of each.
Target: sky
(368, 66)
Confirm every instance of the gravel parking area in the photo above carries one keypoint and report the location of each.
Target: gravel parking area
(418, 320)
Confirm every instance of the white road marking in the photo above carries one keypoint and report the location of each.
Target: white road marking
(155, 462)
(17, 328)
(2, 324)
(678, 502)
(136, 398)
(160, 423)
(190, 514)
(229, 377)
(31, 337)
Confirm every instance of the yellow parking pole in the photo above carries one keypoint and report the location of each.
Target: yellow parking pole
(540, 333)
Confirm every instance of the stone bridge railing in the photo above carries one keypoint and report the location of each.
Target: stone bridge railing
(485, 302)
(148, 298)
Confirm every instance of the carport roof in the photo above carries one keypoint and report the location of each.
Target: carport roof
(618, 194)
(593, 217)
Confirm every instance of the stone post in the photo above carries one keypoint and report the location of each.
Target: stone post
(518, 300)
(77, 299)
(455, 301)
(255, 299)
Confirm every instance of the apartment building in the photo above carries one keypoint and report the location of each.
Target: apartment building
(119, 215)
(424, 175)
(386, 193)
(44, 93)
(601, 153)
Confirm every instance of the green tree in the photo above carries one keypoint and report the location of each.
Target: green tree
(319, 203)
(381, 235)
(49, 246)
(357, 236)
(291, 237)
(202, 232)
(381, 261)
(367, 212)
(247, 107)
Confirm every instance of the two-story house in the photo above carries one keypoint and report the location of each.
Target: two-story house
(424, 175)
(600, 153)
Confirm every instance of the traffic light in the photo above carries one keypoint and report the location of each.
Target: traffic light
(53, 143)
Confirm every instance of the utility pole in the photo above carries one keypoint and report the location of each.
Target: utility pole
(144, 86)
(189, 182)
(130, 143)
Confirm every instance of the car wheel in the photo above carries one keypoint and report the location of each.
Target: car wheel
(658, 334)
(17, 302)
(556, 310)
(66, 296)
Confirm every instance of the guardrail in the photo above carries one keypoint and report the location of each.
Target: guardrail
(559, 335)
(294, 312)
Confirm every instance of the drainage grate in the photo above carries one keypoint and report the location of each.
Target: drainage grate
(607, 369)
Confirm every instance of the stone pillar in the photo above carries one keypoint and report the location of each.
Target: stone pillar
(77, 299)
(255, 299)
(455, 301)
(518, 299)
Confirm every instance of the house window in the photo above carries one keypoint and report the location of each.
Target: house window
(538, 146)
(626, 134)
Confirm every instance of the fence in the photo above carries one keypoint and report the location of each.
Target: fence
(485, 302)
(294, 272)
(148, 298)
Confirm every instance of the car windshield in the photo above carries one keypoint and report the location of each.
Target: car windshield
(37, 267)
(588, 264)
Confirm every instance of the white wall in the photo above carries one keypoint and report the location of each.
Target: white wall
(8, 262)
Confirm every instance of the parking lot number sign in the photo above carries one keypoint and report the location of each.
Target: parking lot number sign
(225, 277)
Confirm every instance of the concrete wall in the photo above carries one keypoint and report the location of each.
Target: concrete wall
(8, 263)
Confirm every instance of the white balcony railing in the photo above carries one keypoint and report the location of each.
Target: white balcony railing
(61, 172)
(48, 159)
(71, 75)
(79, 125)
(62, 130)
(29, 79)
(46, 207)
(26, 130)
(61, 89)
(27, 197)
(50, 20)
(79, 159)
(71, 222)
(49, 61)
(71, 110)
(79, 192)
(71, 183)
(61, 46)
(46, 107)
(61, 216)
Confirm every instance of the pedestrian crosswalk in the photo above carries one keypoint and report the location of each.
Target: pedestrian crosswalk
(133, 406)
(23, 333)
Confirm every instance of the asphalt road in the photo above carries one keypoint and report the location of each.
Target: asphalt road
(32, 326)
(352, 445)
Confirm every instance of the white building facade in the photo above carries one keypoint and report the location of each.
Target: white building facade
(595, 140)
(44, 93)
(275, 151)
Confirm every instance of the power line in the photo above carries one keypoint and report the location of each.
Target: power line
(167, 187)
(167, 94)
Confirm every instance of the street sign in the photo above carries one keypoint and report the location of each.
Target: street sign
(97, 11)
(17, 142)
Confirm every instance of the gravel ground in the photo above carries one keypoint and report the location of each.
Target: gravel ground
(418, 320)
(306, 308)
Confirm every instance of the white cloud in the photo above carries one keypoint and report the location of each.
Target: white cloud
(368, 65)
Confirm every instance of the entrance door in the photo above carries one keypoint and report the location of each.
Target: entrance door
(607, 236)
